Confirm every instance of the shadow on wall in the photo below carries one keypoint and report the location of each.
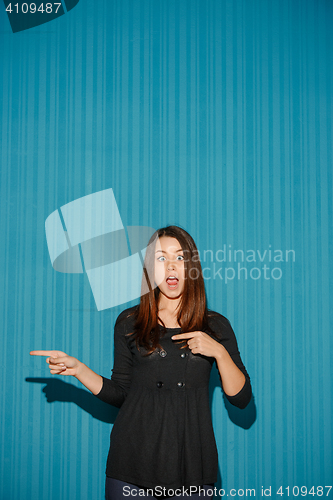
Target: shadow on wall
(23, 16)
(57, 390)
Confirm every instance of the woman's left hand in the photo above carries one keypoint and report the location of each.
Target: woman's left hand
(201, 343)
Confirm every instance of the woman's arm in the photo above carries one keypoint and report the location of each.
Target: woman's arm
(89, 378)
(114, 391)
(231, 368)
(232, 378)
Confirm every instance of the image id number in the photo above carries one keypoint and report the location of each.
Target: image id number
(303, 491)
(32, 8)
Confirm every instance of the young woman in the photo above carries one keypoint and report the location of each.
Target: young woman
(162, 442)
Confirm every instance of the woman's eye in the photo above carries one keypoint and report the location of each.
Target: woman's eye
(180, 257)
(161, 258)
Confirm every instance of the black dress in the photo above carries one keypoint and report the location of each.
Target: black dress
(163, 433)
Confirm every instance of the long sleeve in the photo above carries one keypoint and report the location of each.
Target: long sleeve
(226, 336)
(114, 390)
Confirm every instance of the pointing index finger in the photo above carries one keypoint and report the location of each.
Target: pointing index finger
(43, 353)
(179, 336)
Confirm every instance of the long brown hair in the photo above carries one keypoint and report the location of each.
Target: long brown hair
(192, 310)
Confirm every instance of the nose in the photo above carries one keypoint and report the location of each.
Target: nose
(170, 265)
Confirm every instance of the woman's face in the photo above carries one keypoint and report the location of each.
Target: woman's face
(169, 267)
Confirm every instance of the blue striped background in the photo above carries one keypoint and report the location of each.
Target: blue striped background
(212, 114)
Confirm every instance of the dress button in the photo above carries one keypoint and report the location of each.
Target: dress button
(159, 384)
(163, 353)
(183, 355)
(181, 384)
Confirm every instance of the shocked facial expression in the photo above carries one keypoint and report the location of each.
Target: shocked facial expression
(169, 267)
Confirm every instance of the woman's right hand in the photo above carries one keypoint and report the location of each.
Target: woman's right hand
(59, 362)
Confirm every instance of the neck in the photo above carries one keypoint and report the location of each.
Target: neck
(167, 311)
(168, 305)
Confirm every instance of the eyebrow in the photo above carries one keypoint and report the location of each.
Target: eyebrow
(163, 251)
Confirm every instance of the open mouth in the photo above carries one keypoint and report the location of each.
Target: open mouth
(172, 281)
